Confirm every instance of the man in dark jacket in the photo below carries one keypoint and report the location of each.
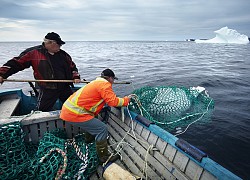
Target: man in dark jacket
(49, 62)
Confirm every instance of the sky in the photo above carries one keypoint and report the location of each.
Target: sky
(115, 20)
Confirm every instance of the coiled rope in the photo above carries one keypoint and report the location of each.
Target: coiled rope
(83, 157)
(63, 167)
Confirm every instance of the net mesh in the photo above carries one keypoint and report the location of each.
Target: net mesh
(55, 157)
(172, 107)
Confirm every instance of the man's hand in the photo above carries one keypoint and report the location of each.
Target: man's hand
(1, 80)
(77, 80)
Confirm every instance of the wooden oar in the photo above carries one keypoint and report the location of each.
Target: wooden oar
(54, 81)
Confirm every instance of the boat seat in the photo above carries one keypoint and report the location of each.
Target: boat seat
(8, 106)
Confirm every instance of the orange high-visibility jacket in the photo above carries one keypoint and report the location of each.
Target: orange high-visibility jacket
(88, 101)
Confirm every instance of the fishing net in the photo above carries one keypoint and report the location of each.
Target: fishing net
(173, 108)
(55, 157)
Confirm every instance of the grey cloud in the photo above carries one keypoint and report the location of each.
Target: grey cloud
(122, 20)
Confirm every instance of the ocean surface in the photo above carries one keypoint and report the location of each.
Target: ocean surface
(223, 69)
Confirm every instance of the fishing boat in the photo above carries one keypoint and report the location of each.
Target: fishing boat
(147, 151)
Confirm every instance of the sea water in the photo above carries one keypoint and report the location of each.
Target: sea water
(222, 69)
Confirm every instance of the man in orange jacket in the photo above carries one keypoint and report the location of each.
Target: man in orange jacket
(81, 108)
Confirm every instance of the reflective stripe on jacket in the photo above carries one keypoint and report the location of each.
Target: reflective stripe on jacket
(88, 101)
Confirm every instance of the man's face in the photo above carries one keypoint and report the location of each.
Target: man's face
(51, 45)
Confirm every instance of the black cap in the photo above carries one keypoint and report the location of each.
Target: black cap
(54, 36)
(108, 73)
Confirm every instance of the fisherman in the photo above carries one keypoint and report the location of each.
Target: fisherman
(49, 62)
(81, 108)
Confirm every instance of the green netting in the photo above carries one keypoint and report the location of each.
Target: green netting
(172, 107)
(56, 157)
(13, 156)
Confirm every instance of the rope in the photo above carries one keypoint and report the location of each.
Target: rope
(83, 157)
(195, 120)
(136, 98)
(149, 149)
(131, 133)
(63, 167)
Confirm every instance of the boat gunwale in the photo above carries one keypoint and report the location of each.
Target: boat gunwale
(206, 163)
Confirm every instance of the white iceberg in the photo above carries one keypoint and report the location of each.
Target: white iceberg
(226, 35)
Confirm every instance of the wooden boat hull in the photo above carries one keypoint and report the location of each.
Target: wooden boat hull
(147, 150)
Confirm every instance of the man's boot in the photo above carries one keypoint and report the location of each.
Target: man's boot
(88, 138)
(103, 153)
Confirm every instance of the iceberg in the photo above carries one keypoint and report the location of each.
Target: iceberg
(226, 35)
